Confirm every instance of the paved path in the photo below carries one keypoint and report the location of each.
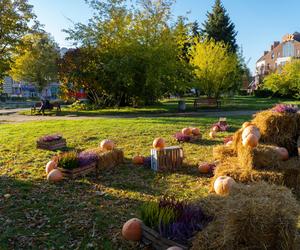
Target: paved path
(12, 116)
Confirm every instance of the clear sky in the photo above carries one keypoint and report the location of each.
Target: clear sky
(258, 22)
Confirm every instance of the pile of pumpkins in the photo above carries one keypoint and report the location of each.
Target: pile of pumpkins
(191, 131)
(55, 175)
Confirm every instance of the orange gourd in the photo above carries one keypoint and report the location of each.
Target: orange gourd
(107, 145)
(159, 143)
(186, 131)
(204, 168)
(132, 230)
(138, 160)
(216, 129)
(54, 176)
(223, 185)
(251, 140)
(50, 166)
(195, 131)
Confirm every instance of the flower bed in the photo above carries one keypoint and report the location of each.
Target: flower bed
(51, 142)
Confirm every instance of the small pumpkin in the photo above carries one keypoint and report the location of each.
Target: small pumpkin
(132, 230)
(138, 160)
(204, 168)
(50, 166)
(212, 134)
(174, 248)
(223, 185)
(251, 140)
(195, 131)
(216, 128)
(186, 131)
(107, 145)
(54, 176)
(283, 153)
(229, 143)
(251, 130)
(159, 143)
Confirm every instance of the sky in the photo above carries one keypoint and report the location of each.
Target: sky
(258, 22)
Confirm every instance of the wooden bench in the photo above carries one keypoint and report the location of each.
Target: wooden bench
(50, 107)
(211, 102)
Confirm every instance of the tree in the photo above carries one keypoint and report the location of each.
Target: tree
(15, 19)
(219, 26)
(286, 80)
(37, 62)
(216, 68)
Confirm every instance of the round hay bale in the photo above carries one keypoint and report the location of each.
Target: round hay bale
(259, 216)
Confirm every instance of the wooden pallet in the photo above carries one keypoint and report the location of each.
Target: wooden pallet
(73, 173)
(52, 145)
(169, 158)
(151, 238)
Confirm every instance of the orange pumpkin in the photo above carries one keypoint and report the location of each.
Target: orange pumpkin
(223, 185)
(251, 130)
(186, 131)
(246, 124)
(107, 145)
(229, 143)
(138, 160)
(195, 131)
(204, 168)
(283, 153)
(212, 134)
(159, 143)
(132, 230)
(216, 128)
(174, 248)
(50, 166)
(54, 176)
(251, 140)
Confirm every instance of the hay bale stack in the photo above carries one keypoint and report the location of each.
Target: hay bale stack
(281, 129)
(259, 216)
(221, 153)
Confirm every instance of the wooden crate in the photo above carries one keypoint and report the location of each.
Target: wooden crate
(169, 158)
(153, 240)
(52, 145)
(73, 173)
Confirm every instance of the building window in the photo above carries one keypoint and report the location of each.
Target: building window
(288, 49)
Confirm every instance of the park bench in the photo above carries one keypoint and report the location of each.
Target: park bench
(209, 101)
(38, 105)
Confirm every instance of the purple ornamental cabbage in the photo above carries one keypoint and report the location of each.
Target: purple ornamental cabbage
(180, 137)
(50, 138)
(87, 158)
(147, 161)
(288, 108)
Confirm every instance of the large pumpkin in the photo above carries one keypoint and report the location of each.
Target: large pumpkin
(138, 160)
(251, 140)
(132, 230)
(186, 131)
(223, 184)
(159, 143)
(251, 130)
(50, 166)
(54, 176)
(196, 131)
(107, 145)
(283, 153)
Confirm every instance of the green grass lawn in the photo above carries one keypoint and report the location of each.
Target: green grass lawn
(171, 106)
(89, 212)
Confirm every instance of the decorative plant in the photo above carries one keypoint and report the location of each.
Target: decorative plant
(87, 158)
(50, 138)
(289, 108)
(180, 137)
(68, 160)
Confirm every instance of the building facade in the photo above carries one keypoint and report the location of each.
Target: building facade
(279, 54)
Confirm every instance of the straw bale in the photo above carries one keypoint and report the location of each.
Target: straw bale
(220, 153)
(259, 216)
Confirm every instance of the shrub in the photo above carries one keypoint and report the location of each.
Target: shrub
(68, 160)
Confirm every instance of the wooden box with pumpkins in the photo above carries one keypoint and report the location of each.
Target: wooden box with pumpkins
(218, 221)
(73, 164)
(265, 149)
(51, 142)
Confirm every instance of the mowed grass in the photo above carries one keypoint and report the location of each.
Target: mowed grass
(88, 213)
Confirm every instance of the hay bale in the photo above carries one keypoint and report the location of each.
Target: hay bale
(282, 129)
(259, 216)
(220, 153)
